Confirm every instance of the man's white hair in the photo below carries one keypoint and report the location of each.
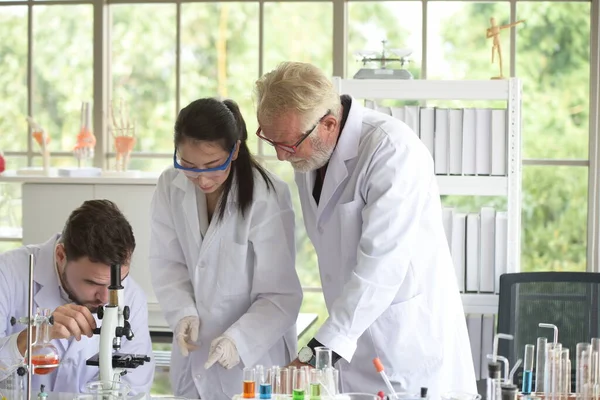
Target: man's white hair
(297, 87)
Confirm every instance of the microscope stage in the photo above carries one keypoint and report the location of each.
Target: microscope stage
(119, 360)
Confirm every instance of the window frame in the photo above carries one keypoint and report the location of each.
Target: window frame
(102, 87)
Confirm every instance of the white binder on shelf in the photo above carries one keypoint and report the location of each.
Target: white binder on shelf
(472, 253)
(441, 141)
(487, 243)
(469, 138)
(483, 151)
(455, 139)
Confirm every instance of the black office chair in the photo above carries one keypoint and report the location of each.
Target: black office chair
(569, 300)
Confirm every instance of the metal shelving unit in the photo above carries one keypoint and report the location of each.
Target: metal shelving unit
(508, 90)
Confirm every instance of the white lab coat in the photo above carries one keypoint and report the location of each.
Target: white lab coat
(72, 374)
(239, 280)
(385, 265)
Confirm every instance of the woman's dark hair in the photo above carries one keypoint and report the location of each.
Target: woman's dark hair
(211, 120)
(98, 230)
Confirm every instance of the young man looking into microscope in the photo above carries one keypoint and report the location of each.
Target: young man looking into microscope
(71, 278)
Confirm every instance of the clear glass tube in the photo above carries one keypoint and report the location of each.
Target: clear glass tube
(315, 384)
(596, 347)
(285, 385)
(299, 384)
(582, 368)
(265, 382)
(528, 368)
(552, 370)
(540, 364)
(565, 374)
(595, 367)
(249, 386)
(566, 377)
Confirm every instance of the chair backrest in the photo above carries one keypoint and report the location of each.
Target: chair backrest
(569, 300)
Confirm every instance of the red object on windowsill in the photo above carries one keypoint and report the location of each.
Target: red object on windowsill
(2, 163)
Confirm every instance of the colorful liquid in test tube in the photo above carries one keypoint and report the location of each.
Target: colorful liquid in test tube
(266, 383)
(299, 384)
(528, 369)
(315, 384)
(249, 384)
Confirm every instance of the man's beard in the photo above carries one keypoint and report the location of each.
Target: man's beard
(320, 157)
(65, 282)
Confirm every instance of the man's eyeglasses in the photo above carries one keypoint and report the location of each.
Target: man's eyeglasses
(208, 172)
(291, 148)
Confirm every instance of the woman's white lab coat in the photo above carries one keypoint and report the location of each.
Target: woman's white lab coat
(387, 274)
(239, 280)
(72, 374)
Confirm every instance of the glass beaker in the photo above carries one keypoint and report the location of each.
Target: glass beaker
(107, 390)
(322, 357)
(44, 356)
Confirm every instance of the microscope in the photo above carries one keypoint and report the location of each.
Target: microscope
(115, 325)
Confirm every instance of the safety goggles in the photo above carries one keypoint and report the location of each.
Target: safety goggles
(208, 172)
(291, 148)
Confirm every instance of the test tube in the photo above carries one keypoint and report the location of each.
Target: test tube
(284, 384)
(528, 369)
(249, 384)
(259, 373)
(276, 380)
(265, 388)
(596, 347)
(582, 367)
(315, 384)
(552, 370)
(566, 372)
(540, 364)
(299, 384)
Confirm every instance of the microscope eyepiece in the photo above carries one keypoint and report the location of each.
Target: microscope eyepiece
(115, 277)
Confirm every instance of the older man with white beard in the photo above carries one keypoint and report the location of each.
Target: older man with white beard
(372, 209)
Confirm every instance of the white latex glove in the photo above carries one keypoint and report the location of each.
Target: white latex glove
(186, 333)
(223, 350)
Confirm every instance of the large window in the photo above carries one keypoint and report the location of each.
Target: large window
(162, 55)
